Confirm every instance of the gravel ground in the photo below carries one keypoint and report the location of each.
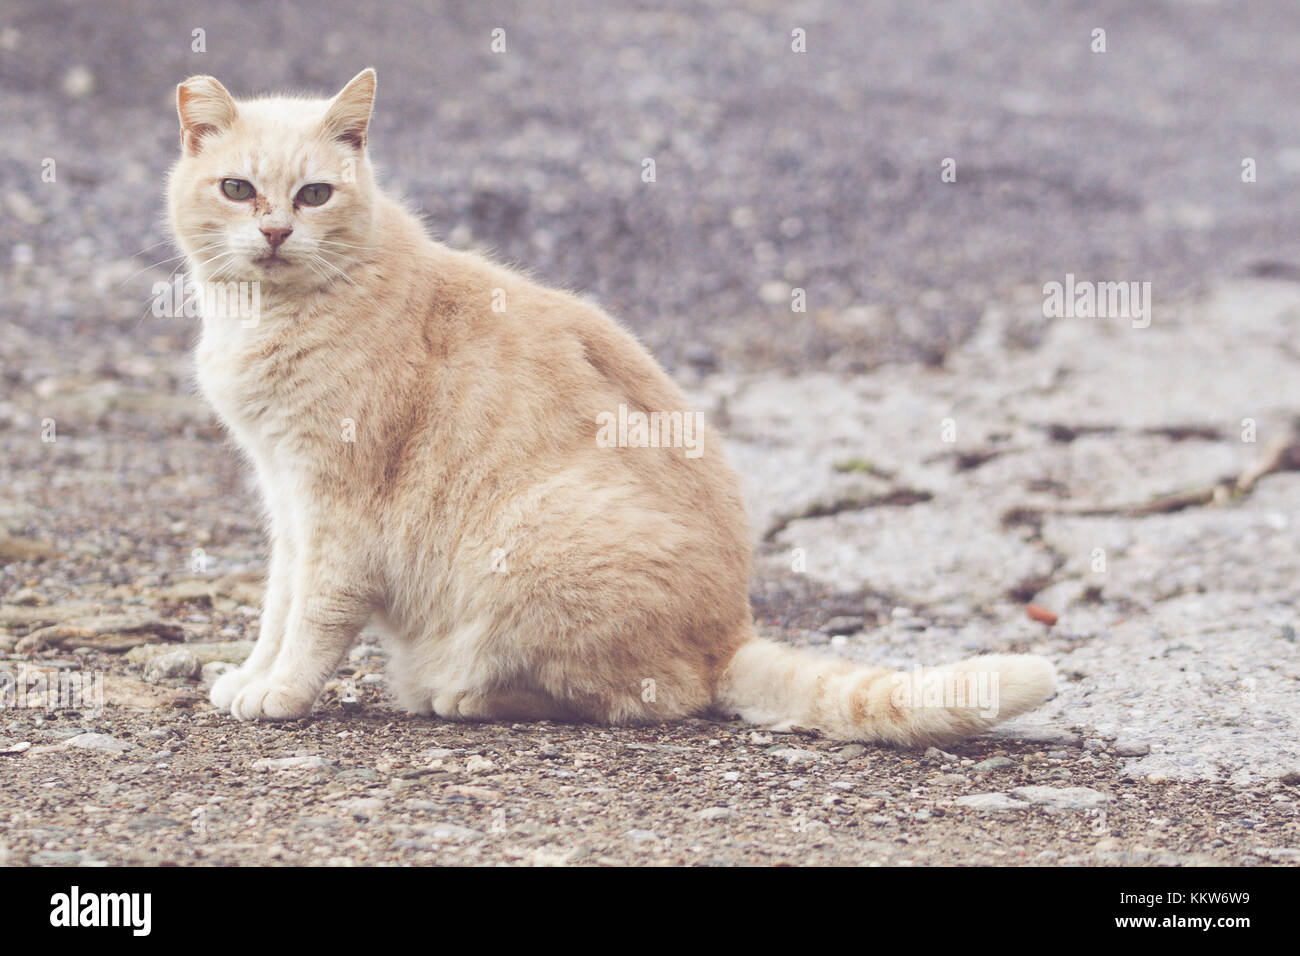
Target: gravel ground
(133, 536)
(377, 788)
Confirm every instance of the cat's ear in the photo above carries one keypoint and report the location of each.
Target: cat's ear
(347, 118)
(204, 107)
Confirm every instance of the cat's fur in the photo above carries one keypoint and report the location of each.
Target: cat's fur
(523, 570)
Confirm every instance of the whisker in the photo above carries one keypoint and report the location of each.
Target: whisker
(343, 245)
(155, 265)
(325, 262)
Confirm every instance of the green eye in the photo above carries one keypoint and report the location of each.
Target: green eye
(238, 189)
(314, 194)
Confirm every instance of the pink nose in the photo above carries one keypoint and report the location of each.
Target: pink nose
(275, 235)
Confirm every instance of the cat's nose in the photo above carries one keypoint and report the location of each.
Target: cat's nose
(275, 235)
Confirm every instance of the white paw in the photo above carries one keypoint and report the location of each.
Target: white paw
(447, 706)
(460, 705)
(227, 688)
(266, 699)
(464, 705)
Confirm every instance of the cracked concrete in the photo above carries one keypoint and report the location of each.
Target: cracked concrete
(1176, 629)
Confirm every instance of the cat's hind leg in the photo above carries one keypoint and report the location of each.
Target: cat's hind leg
(502, 704)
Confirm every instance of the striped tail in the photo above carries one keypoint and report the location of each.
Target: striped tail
(771, 684)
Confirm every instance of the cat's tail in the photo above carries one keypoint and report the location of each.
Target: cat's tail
(783, 687)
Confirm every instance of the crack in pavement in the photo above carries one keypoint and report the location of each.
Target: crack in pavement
(1282, 454)
(896, 498)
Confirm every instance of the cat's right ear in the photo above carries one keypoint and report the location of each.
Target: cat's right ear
(204, 107)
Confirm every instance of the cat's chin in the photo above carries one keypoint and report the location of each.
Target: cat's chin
(278, 281)
(274, 267)
(279, 271)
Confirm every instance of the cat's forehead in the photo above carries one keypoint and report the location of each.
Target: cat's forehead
(282, 139)
(283, 111)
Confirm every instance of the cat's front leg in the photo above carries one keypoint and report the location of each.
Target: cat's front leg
(275, 616)
(330, 604)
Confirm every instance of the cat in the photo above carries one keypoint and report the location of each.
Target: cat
(422, 423)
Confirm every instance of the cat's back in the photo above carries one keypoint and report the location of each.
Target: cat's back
(480, 314)
(547, 340)
(523, 376)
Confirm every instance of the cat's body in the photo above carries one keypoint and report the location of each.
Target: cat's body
(473, 505)
(423, 425)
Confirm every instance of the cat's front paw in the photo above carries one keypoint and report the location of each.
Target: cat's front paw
(227, 688)
(266, 699)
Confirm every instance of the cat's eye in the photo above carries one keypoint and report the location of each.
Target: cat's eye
(238, 189)
(314, 194)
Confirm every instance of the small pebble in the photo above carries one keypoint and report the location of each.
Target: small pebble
(174, 664)
(1125, 747)
(717, 813)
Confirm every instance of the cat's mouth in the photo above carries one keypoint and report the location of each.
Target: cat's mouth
(272, 260)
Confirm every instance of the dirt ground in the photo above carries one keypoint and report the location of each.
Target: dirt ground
(381, 788)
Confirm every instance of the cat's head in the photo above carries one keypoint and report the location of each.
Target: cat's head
(277, 190)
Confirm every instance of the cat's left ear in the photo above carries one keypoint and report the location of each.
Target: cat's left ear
(348, 116)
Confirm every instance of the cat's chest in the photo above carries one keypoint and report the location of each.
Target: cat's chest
(271, 392)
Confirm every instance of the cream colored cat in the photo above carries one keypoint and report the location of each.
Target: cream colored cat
(423, 425)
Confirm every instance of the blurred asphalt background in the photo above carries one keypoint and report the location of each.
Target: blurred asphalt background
(774, 169)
